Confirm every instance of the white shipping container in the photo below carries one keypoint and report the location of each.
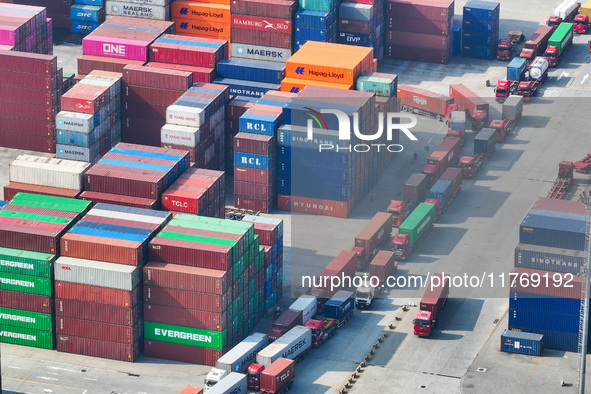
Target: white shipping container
(97, 273)
(111, 82)
(290, 345)
(185, 116)
(151, 2)
(102, 211)
(239, 358)
(74, 121)
(145, 11)
(180, 135)
(234, 383)
(307, 305)
(259, 52)
(45, 171)
(80, 153)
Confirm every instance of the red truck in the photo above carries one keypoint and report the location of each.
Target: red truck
(537, 43)
(373, 235)
(444, 156)
(506, 45)
(415, 190)
(581, 24)
(467, 100)
(433, 302)
(338, 311)
(344, 264)
(583, 165)
(426, 103)
(278, 378)
(288, 320)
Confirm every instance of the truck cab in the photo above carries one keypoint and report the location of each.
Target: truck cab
(504, 49)
(213, 377)
(470, 166)
(461, 134)
(435, 202)
(581, 24)
(361, 258)
(364, 296)
(502, 128)
(552, 54)
(554, 21)
(431, 171)
(253, 376)
(321, 330)
(401, 246)
(423, 324)
(503, 89)
(398, 210)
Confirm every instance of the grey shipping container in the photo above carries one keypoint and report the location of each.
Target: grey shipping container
(458, 120)
(415, 187)
(355, 11)
(552, 231)
(513, 107)
(550, 259)
(78, 153)
(522, 343)
(485, 140)
(97, 273)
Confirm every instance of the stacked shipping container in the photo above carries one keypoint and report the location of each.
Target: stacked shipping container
(208, 18)
(316, 21)
(87, 15)
(363, 23)
(420, 30)
(480, 31)
(154, 9)
(234, 110)
(25, 29)
(58, 11)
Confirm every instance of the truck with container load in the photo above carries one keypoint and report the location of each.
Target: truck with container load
(414, 228)
(426, 103)
(484, 146)
(381, 267)
(512, 112)
(581, 24)
(293, 345)
(433, 302)
(515, 73)
(538, 73)
(343, 265)
(306, 304)
(237, 359)
(506, 45)
(233, 383)
(435, 204)
(583, 166)
(536, 44)
(442, 191)
(337, 311)
(288, 320)
(278, 378)
(457, 126)
(373, 235)
(364, 295)
(322, 330)
(453, 175)
(559, 42)
(443, 157)
(415, 190)
(564, 12)
(476, 107)
(563, 181)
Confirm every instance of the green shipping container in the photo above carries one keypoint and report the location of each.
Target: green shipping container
(50, 202)
(25, 284)
(233, 245)
(562, 37)
(26, 337)
(418, 222)
(228, 225)
(26, 319)
(318, 5)
(221, 232)
(35, 217)
(185, 335)
(381, 86)
(24, 262)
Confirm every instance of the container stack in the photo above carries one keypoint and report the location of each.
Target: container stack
(420, 30)
(30, 98)
(316, 21)
(87, 15)
(158, 10)
(244, 73)
(44, 175)
(234, 110)
(363, 24)
(134, 175)
(195, 123)
(58, 11)
(90, 122)
(200, 282)
(30, 230)
(551, 245)
(480, 31)
(198, 191)
(26, 29)
(98, 281)
(208, 18)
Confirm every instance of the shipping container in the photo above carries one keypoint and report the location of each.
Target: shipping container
(553, 204)
(550, 259)
(375, 233)
(47, 172)
(26, 319)
(184, 353)
(418, 222)
(185, 335)
(415, 187)
(279, 375)
(281, 9)
(186, 299)
(291, 345)
(97, 330)
(97, 273)
(513, 109)
(256, 52)
(545, 304)
(100, 295)
(28, 263)
(305, 304)
(26, 337)
(124, 316)
(422, 9)
(423, 100)
(340, 305)
(382, 266)
(454, 175)
(522, 343)
(544, 321)
(239, 358)
(469, 101)
(553, 232)
(26, 301)
(442, 191)
(97, 348)
(233, 383)
(554, 284)
(13, 188)
(445, 155)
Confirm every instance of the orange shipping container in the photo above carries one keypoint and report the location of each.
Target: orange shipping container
(200, 11)
(294, 85)
(202, 28)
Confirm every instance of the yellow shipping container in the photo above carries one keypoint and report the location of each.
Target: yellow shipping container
(586, 9)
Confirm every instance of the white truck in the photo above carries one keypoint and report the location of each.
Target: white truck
(307, 304)
(234, 383)
(364, 296)
(292, 345)
(237, 359)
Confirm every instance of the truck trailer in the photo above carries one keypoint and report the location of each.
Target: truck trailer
(233, 383)
(474, 105)
(373, 235)
(344, 264)
(415, 190)
(433, 302)
(419, 223)
(559, 42)
(278, 378)
(288, 320)
(426, 103)
(536, 44)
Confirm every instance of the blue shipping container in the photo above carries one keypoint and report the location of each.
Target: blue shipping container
(153, 155)
(308, 33)
(297, 137)
(516, 69)
(66, 137)
(259, 124)
(470, 25)
(457, 41)
(339, 305)
(98, 3)
(329, 176)
(550, 259)
(252, 161)
(554, 232)
(522, 343)
(485, 141)
(442, 191)
(482, 10)
(83, 27)
(247, 88)
(169, 171)
(312, 189)
(544, 304)
(479, 40)
(315, 19)
(269, 72)
(357, 39)
(309, 157)
(115, 228)
(554, 340)
(544, 321)
(356, 11)
(88, 13)
(3, 203)
(483, 53)
(559, 214)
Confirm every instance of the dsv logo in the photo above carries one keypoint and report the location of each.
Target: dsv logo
(390, 119)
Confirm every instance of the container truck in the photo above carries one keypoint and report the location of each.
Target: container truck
(457, 126)
(307, 305)
(416, 225)
(454, 175)
(484, 146)
(278, 378)
(506, 45)
(559, 42)
(443, 157)
(338, 310)
(538, 73)
(373, 235)
(344, 264)
(581, 24)
(583, 165)
(423, 102)
(476, 107)
(415, 190)
(536, 44)
(512, 111)
(442, 191)
(233, 383)
(383, 266)
(515, 73)
(364, 295)
(565, 12)
(288, 320)
(563, 181)
(433, 302)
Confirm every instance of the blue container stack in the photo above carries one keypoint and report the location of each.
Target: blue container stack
(87, 15)
(480, 29)
(250, 77)
(363, 25)
(316, 21)
(551, 245)
(457, 41)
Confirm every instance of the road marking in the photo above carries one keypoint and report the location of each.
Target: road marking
(90, 379)
(47, 378)
(493, 330)
(9, 366)
(52, 373)
(47, 384)
(577, 72)
(584, 79)
(569, 83)
(63, 369)
(563, 74)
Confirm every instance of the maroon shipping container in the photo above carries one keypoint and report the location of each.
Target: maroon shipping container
(157, 78)
(186, 299)
(121, 222)
(554, 284)
(184, 353)
(445, 155)
(98, 312)
(237, 108)
(42, 211)
(439, 10)
(30, 96)
(268, 233)
(355, 26)
(13, 188)
(454, 175)
(468, 100)
(31, 142)
(99, 295)
(419, 54)
(185, 54)
(26, 301)
(382, 266)
(128, 201)
(315, 206)
(416, 187)
(278, 375)
(37, 112)
(97, 348)
(154, 96)
(142, 131)
(98, 248)
(422, 99)
(415, 25)
(200, 74)
(182, 277)
(175, 164)
(419, 40)
(28, 62)
(97, 330)
(144, 110)
(125, 180)
(88, 63)
(257, 144)
(552, 204)
(254, 190)
(30, 235)
(190, 253)
(253, 175)
(282, 9)
(263, 205)
(192, 151)
(186, 317)
(266, 38)
(28, 80)
(374, 234)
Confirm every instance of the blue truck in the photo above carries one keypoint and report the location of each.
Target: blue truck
(340, 307)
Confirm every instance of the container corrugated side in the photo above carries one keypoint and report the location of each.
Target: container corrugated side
(185, 335)
(24, 262)
(26, 319)
(64, 174)
(26, 337)
(97, 348)
(97, 273)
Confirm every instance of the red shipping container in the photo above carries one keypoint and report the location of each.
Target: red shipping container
(356, 26)
(190, 253)
(278, 375)
(88, 63)
(154, 96)
(185, 54)
(125, 180)
(257, 144)
(192, 151)
(99, 295)
(128, 201)
(254, 204)
(98, 248)
(254, 190)
(142, 131)
(185, 317)
(261, 23)
(418, 54)
(182, 277)
(440, 10)
(28, 80)
(315, 206)
(98, 312)
(28, 62)
(97, 330)
(31, 142)
(175, 164)
(13, 188)
(268, 233)
(97, 348)
(37, 112)
(30, 96)
(145, 110)
(554, 284)
(414, 25)
(410, 96)
(418, 40)
(184, 353)
(157, 78)
(30, 235)
(265, 38)
(121, 222)
(73, 216)
(237, 108)
(184, 199)
(382, 266)
(253, 175)
(552, 204)
(224, 45)
(186, 299)
(282, 9)
(26, 301)
(200, 74)
(88, 99)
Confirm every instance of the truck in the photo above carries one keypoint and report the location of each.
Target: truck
(306, 304)
(564, 12)
(373, 235)
(563, 181)
(453, 175)
(506, 45)
(382, 266)
(475, 106)
(443, 192)
(559, 42)
(364, 295)
(415, 189)
(444, 156)
(581, 24)
(582, 166)
(191, 390)
(340, 307)
(233, 383)
(414, 228)
(432, 304)
(278, 378)
(293, 345)
(288, 320)
(538, 73)
(512, 112)
(343, 265)
(536, 44)
(237, 359)
(322, 330)
(484, 146)
(426, 103)
(457, 126)
(515, 73)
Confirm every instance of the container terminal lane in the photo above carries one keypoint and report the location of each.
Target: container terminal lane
(477, 234)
